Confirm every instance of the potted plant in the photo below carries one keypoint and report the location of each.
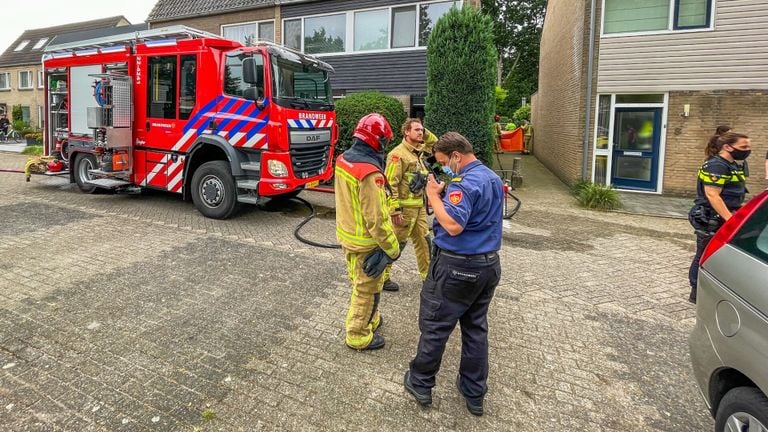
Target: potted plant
(33, 138)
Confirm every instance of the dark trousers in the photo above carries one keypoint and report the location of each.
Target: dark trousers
(693, 273)
(456, 290)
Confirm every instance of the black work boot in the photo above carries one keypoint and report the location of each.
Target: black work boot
(376, 343)
(390, 286)
(424, 399)
(474, 406)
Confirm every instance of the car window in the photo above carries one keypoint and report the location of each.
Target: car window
(752, 238)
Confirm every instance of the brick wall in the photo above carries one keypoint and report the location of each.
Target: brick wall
(745, 111)
(558, 114)
(213, 23)
(32, 98)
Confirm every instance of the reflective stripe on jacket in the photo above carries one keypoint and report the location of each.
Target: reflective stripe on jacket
(362, 215)
(403, 162)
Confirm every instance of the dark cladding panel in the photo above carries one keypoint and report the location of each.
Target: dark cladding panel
(401, 73)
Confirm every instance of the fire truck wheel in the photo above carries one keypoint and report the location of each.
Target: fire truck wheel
(213, 190)
(83, 163)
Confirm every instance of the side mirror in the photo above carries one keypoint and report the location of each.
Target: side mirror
(249, 71)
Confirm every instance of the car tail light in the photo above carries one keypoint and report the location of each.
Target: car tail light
(726, 232)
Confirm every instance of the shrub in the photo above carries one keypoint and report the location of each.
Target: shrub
(353, 107)
(522, 113)
(598, 197)
(16, 115)
(579, 186)
(461, 78)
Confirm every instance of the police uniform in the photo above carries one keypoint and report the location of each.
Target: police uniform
(404, 163)
(362, 225)
(462, 277)
(730, 177)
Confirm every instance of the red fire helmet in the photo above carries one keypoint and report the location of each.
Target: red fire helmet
(374, 130)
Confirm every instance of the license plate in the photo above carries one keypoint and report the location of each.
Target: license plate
(312, 184)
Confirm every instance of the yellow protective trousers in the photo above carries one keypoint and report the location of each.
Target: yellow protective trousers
(363, 316)
(415, 228)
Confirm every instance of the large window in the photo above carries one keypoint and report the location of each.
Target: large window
(428, 15)
(396, 27)
(234, 85)
(325, 34)
(249, 33)
(631, 16)
(187, 86)
(161, 88)
(371, 30)
(25, 80)
(404, 27)
(5, 81)
(26, 114)
(40, 79)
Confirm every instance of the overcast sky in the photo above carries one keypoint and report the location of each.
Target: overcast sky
(20, 15)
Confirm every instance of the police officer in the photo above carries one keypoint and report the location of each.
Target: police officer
(463, 274)
(363, 227)
(720, 192)
(407, 176)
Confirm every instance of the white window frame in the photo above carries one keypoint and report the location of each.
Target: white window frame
(40, 43)
(670, 24)
(40, 79)
(30, 81)
(274, 27)
(23, 44)
(349, 47)
(40, 116)
(7, 81)
(608, 152)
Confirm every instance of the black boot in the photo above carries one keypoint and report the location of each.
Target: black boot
(390, 286)
(376, 343)
(423, 398)
(474, 406)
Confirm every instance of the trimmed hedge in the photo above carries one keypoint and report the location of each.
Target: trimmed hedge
(461, 78)
(355, 106)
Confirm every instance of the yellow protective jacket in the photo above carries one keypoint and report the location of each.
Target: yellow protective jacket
(362, 216)
(402, 163)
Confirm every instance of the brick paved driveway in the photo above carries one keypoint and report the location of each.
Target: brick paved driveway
(135, 313)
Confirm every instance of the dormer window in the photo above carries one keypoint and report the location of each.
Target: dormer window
(21, 46)
(40, 43)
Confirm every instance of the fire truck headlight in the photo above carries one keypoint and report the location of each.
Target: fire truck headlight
(277, 168)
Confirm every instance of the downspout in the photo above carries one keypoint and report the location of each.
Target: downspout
(585, 149)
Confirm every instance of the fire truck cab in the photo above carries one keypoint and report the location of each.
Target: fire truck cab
(187, 112)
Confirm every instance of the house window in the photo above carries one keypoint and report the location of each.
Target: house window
(692, 13)
(292, 34)
(21, 45)
(371, 30)
(631, 16)
(248, 33)
(25, 114)
(40, 82)
(428, 15)
(40, 44)
(325, 34)
(25, 80)
(5, 81)
(404, 27)
(396, 27)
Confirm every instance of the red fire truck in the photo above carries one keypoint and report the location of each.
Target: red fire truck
(185, 111)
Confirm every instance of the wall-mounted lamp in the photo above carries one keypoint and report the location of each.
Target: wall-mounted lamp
(686, 110)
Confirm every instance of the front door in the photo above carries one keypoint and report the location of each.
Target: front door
(636, 143)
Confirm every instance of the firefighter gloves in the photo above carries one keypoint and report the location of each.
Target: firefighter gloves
(376, 262)
(418, 183)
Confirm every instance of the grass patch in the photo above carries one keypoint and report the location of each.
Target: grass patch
(33, 150)
(596, 196)
(208, 414)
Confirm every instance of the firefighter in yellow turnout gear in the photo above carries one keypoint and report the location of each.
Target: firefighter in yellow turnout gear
(363, 228)
(407, 176)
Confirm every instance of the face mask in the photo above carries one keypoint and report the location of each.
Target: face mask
(450, 171)
(740, 154)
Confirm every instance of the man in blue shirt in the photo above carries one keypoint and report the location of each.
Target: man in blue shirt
(463, 274)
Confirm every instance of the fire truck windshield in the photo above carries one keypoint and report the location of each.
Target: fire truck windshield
(301, 86)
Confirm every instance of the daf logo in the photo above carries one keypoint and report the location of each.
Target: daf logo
(313, 138)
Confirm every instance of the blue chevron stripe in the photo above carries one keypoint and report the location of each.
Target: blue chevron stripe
(202, 111)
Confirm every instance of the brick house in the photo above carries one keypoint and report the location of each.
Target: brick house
(664, 74)
(21, 74)
(372, 44)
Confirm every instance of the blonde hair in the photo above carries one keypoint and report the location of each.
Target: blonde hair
(408, 122)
